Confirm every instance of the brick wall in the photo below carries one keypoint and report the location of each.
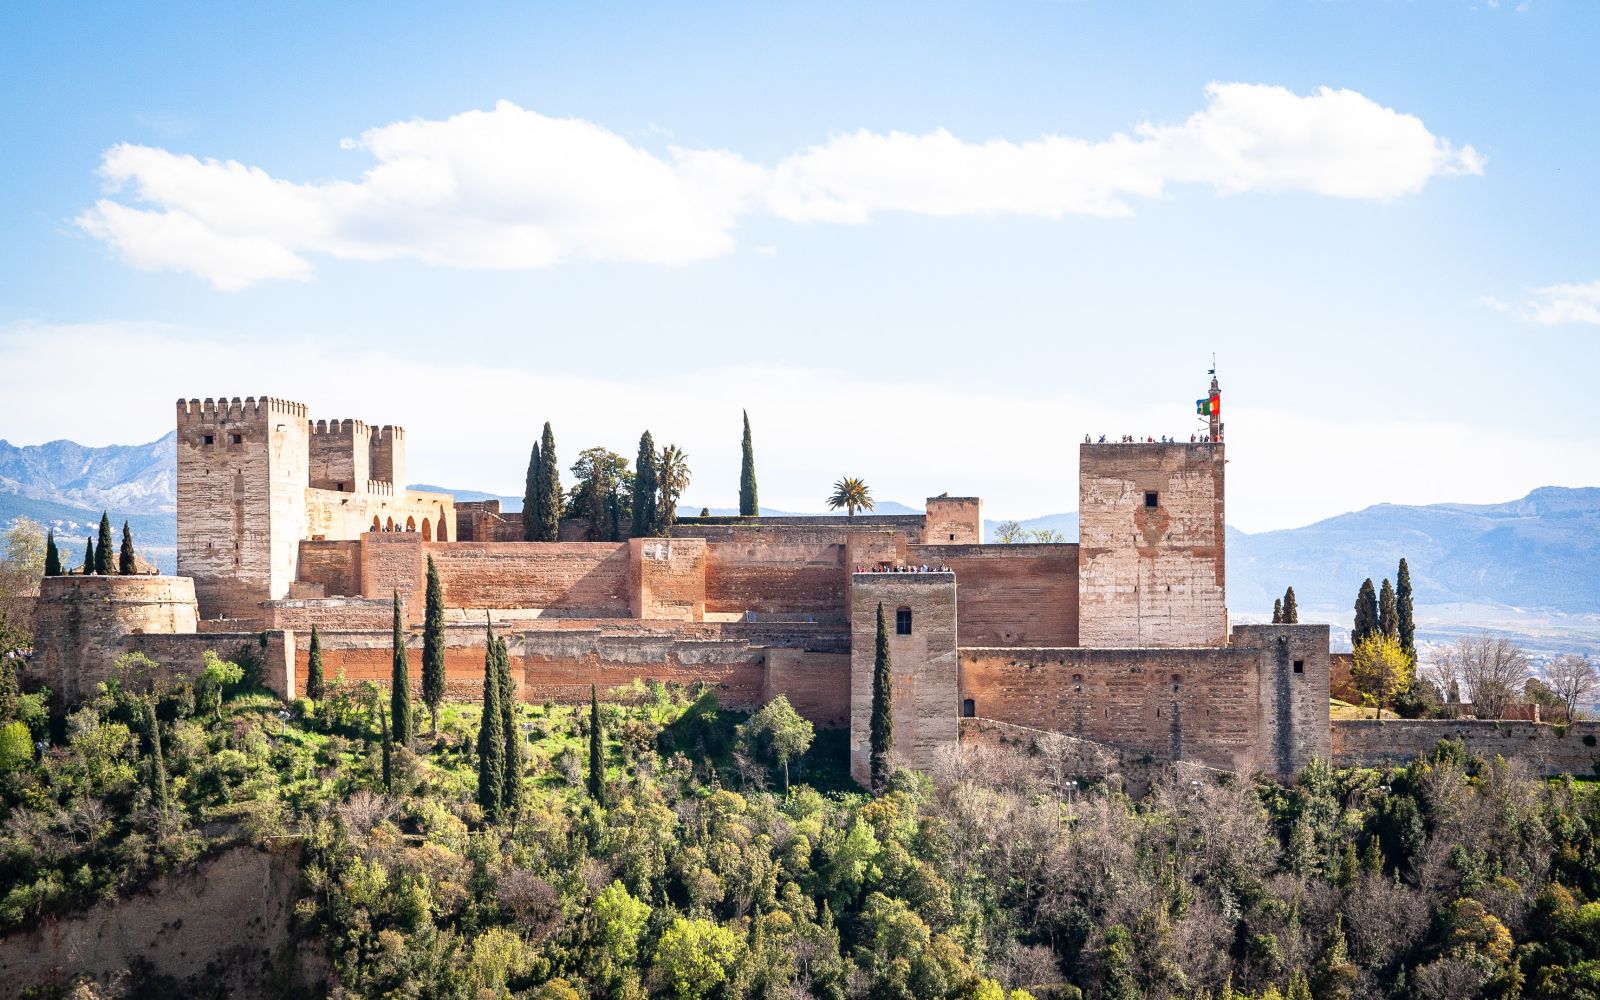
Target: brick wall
(342, 613)
(768, 572)
(1151, 575)
(1011, 595)
(669, 578)
(1292, 719)
(575, 579)
(83, 624)
(1547, 749)
(333, 566)
(1188, 704)
(816, 684)
(925, 696)
(953, 521)
(392, 563)
(825, 528)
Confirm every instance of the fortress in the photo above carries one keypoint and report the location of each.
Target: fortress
(1121, 638)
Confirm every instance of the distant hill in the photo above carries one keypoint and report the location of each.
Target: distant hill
(1530, 565)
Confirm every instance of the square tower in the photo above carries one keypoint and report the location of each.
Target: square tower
(920, 615)
(1151, 566)
(242, 478)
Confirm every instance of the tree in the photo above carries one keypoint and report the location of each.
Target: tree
(1277, 611)
(1388, 611)
(102, 547)
(852, 494)
(672, 478)
(1405, 611)
(1574, 678)
(316, 682)
(549, 488)
(1492, 671)
(620, 920)
(1291, 608)
(1335, 975)
(511, 757)
(882, 725)
(695, 956)
(1009, 533)
(1366, 612)
(433, 647)
(156, 773)
(597, 749)
(1048, 536)
(388, 750)
(88, 556)
(491, 734)
(749, 505)
(125, 563)
(600, 475)
(400, 682)
(788, 733)
(1380, 670)
(644, 487)
(22, 564)
(216, 675)
(52, 555)
(533, 495)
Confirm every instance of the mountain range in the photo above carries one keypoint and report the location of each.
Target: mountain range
(1529, 566)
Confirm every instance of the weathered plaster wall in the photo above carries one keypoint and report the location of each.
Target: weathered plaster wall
(923, 664)
(670, 578)
(816, 684)
(1151, 575)
(1011, 595)
(1547, 749)
(953, 521)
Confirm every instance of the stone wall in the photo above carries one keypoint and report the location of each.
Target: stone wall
(575, 579)
(821, 528)
(1151, 556)
(776, 572)
(953, 521)
(1546, 749)
(334, 567)
(344, 613)
(1292, 719)
(1171, 704)
(670, 582)
(83, 624)
(816, 684)
(1011, 595)
(925, 697)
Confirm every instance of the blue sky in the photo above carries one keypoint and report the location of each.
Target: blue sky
(682, 211)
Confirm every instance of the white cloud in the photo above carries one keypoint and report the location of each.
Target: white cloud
(1572, 303)
(510, 188)
(1016, 450)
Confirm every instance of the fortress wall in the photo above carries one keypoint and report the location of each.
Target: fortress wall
(671, 578)
(766, 572)
(1547, 749)
(953, 521)
(1151, 575)
(575, 579)
(1011, 595)
(392, 563)
(334, 515)
(1292, 719)
(184, 655)
(830, 528)
(816, 684)
(333, 566)
(1189, 704)
(84, 623)
(923, 663)
(341, 613)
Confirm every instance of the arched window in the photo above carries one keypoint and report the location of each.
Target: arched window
(1177, 682)
(388, 524)
(376, 525)
(442, 535)
(427, 531)
(902, 621)
(411, 524)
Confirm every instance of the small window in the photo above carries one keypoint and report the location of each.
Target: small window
(1177, 682)
(902, 621)
(1077, 682)
(238, 439)
(1299, 666)
(210, 439)
(968, 709)
(1152, 499)
(952, 536)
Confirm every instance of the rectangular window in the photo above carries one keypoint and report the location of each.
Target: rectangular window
(238, 439)
(902, 621)
(1152, 499)
(210, 439)
(968, 709)
(1299, 666)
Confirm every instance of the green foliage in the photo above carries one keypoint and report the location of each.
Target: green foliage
(216, 676)
(1366, 622)
(597, 752)
(1291, 608)
(785, 732)
(316, 682)
(511, 754)
(533, 497)
(491, 734)
(1388, 611)
(602, 479)
(88, 556)
(694, 957)
(749, 499)
(881, 743)
(1277, 611)
(644, 487)
(52, 555)
(102, 547)
(400, 681)
(672, 478)
(125, 563)
(852, 494)
(548, 526)
(1380, 670)
(433, 676)
(1406, 612)
(16, 746)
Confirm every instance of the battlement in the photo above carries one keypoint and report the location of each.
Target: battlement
(223, 409)
(343, 429)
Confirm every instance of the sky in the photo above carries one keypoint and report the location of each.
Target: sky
(931, 245)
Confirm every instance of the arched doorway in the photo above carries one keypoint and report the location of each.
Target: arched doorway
(376, 524)
(443, 534)
(388, 524)
(427, 531)
(411, 524)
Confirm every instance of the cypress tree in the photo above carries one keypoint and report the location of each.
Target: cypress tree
(533, 498)
(10, 691)
(157, 766)
(388, 751)
(316, 684)
(1366, 612)
(1406, 612)
(1388, 613)
(882, 736)
(550, 486)
(52, 555)
(511, 757)
(400, 682)
(644, 487)
(102, 548)
(1277, 611)
(749, 505)
(125, 565)
(1291, 610)
(433, 647)
(491, 739)
(597, 752)
(88, 556)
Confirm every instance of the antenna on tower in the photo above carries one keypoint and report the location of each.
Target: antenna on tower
(1213, 369)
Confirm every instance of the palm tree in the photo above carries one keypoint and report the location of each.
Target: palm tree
(852, 494)
(672, 478)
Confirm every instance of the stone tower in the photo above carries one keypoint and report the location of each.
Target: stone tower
(242, 478)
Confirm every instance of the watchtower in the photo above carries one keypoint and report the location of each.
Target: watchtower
(242, 478)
